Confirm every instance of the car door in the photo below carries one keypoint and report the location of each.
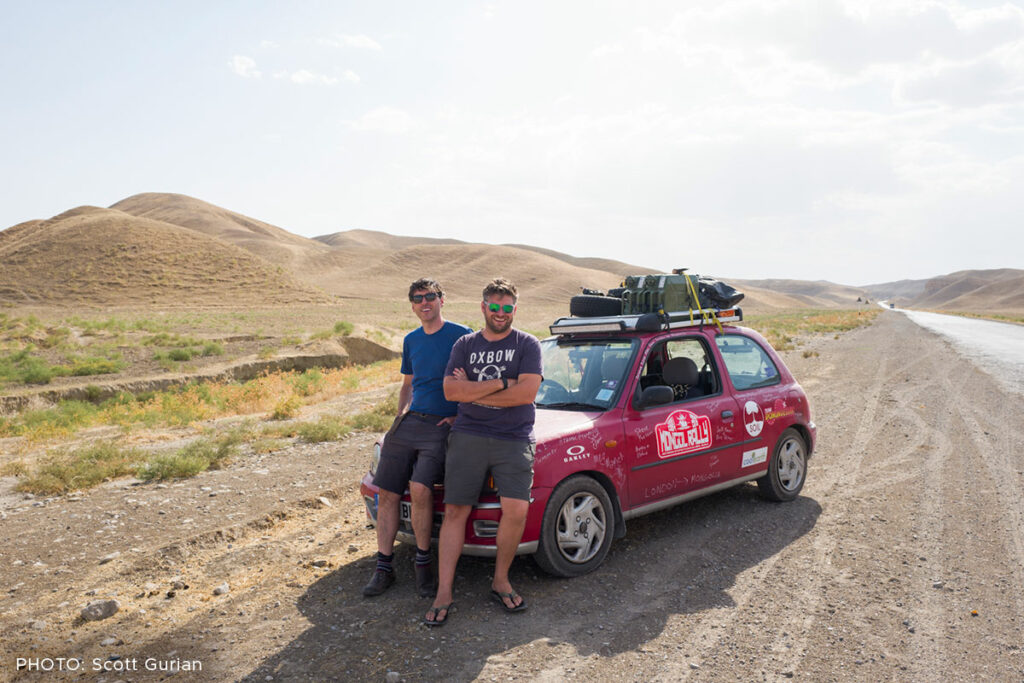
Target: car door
(690, 443)
(765, 405)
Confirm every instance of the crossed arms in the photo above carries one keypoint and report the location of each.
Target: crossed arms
(458, 387)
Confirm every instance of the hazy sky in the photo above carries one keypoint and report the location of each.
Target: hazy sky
(858, 142)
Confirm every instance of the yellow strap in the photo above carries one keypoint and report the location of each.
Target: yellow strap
(706, 316)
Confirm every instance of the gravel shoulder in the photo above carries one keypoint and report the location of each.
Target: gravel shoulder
(902, 559)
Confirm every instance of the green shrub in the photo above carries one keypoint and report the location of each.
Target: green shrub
(327, 428)
(213, 349)
(379, 417)
(286, 408)
(344, 328)
(96, 366)
(198, 456)
(308, 382)
(83, 468)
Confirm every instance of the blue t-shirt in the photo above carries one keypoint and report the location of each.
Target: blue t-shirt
(516, 354)
(424, 356)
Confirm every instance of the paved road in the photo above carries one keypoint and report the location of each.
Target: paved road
(995, 347)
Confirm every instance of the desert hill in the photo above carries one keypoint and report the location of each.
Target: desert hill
(263, 239)
(159, 246)
(374, 239)
(996, 291)
(91, 255)
(804, 293)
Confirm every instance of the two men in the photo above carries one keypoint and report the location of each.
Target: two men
(494, 375)
(414, 449)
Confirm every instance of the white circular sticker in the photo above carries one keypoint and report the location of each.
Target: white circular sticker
(753, 418)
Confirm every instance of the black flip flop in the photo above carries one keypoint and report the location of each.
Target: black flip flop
(511, 595)
(435, 611)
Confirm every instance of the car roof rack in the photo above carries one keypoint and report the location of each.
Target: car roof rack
(646, 322)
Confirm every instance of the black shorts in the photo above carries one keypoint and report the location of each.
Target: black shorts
(471, 456)
(413, 451)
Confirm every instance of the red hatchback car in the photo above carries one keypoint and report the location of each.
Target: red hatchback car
(638, 413)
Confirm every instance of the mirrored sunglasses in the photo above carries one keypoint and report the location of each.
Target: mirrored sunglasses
(507, 308)
(418, 298)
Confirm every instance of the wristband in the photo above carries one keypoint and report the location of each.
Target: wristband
(504, 383)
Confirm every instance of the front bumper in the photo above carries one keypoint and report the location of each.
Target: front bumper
(481, 528)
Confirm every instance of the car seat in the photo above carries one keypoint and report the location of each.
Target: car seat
(682, 375)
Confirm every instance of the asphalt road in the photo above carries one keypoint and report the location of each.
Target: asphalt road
(995, 347)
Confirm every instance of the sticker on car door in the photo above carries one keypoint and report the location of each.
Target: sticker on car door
(683, 432)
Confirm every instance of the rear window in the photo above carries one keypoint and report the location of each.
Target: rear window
(747, 363)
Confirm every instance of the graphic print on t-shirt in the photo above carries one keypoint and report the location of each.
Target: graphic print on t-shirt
(490, 364)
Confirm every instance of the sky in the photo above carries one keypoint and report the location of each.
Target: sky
(858, 142)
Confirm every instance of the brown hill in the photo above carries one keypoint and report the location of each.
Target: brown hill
(998, 291)
(375, 239)
(90, 255)
(263, 239)
(800, 293)
(463, 269)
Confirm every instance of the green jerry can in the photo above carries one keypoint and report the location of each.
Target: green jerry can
(660, 293)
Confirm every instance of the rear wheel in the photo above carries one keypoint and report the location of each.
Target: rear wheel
(787, 469)
(577, 528)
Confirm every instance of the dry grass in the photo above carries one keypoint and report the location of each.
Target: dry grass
(782, 330)
(280, 393)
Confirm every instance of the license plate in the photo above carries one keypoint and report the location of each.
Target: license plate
(405, 511)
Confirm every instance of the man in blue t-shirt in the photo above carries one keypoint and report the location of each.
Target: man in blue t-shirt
(494, 374)
(414, 448)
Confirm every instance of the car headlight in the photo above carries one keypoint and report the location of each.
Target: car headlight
(375, 459)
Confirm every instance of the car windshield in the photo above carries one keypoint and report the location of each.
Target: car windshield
(581, 374)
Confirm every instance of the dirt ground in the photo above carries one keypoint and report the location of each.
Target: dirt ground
(902, 560)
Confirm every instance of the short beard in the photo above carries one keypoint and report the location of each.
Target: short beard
(495, 330)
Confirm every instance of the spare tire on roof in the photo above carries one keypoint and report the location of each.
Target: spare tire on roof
(591, 306)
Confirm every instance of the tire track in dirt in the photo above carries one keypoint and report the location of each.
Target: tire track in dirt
(714, 627)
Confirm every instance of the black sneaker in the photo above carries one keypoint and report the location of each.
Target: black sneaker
(379, 582)
(426, 582)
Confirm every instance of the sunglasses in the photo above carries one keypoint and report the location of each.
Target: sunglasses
(507, 308)
(418, 298)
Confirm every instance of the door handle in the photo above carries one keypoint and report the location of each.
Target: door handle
(726, 414)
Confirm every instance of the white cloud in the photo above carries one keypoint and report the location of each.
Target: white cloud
(608, 49)
(359, 42)
(244, 67)
(384, 120)
(305, 77)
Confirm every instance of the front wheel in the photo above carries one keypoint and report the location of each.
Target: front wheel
(577, 528)
(787, 469)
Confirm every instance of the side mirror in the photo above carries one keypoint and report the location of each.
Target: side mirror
(656, 396)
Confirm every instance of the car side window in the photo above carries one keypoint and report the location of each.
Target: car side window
(749, 366)
(683, 364)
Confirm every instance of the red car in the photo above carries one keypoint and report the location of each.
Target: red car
(638, 413)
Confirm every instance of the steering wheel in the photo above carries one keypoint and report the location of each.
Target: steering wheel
(552, 392)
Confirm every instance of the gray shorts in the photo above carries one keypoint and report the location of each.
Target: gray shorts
(469, 459)
(413, 451)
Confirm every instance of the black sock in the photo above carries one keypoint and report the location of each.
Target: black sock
(422, 557)
(384, 562)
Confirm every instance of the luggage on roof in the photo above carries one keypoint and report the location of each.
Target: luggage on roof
(657, 293)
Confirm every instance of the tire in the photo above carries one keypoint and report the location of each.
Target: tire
(787, 469)
(577, 529)
(592, 306)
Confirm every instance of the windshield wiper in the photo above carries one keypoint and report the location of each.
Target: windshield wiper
(571, 405)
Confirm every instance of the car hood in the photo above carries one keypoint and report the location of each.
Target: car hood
(552, 425)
